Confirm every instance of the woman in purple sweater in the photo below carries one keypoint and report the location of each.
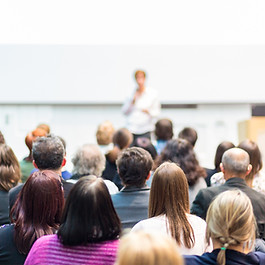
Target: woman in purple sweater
(89, 231)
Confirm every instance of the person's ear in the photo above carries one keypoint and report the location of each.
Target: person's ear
(249, 169)
(149, 175)
(222, 167)
(34, 164)
(64, 162)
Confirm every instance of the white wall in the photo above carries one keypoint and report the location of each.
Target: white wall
(104, 74)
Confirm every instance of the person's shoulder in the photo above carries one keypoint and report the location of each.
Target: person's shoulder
(16, 189)
(5, 229)
(196, 219)
(153, 223)
(46, 239)
(256, 257)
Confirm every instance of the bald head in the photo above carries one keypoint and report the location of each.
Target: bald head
(235, 161)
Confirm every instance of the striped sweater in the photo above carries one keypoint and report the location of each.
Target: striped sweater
(49, 250)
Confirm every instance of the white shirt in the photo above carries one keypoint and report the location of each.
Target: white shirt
(159, 223)
(139, 122)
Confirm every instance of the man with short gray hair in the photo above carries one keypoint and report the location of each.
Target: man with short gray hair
(235, 167)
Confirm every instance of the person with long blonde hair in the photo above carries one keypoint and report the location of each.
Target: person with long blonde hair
(169, 210)
(142, 248)
(231, 226)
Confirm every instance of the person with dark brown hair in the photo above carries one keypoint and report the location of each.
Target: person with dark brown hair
(189, 134)
(9, 177)
(122, 139)
(169, 210)
(221, 148)
(163, 133)
(89, 230)
(181, 152)
(37, 212)
(255, 179)
(131, 203)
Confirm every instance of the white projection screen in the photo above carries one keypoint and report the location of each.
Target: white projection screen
(98, 74)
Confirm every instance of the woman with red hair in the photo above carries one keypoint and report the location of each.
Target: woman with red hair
(37, 212)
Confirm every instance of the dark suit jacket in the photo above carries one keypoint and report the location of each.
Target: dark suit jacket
(205, 196)
(131, 205)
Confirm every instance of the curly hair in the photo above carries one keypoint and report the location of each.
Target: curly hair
(134, 165)
(181, 152)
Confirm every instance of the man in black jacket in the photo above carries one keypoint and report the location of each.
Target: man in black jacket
(235, 166)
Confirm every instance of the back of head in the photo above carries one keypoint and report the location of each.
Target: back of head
(89, 215)
(38, 209)
(235, 161)
(142, 248)
(122, 138)
(231, 222)
(164, 129)
(253, 151)
(87, 160)
(147, 145)
(181, 152)
(189, 134)
(33, 135)
(134, 165)
(105, 133)
(221, 148)
(9, 168)
(48, 152)
(169, 195)
(44, 127)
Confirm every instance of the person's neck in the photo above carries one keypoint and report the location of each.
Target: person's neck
(141, 89)
(230, 176)
(240, 248)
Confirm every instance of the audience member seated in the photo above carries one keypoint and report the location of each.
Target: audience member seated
(131, 203)
(221, 148)
(122, 139)
(189, 134)
(9, 177)
(37, 212)
(235, 167)
(89, 160)
(48, 153)
(26, 164)
(181, 152)
(231, 226)
(163, 133)
(89, 230)
(255, 179)
(65, 174)
(169, 211)
(104, 136)
(141, 248)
